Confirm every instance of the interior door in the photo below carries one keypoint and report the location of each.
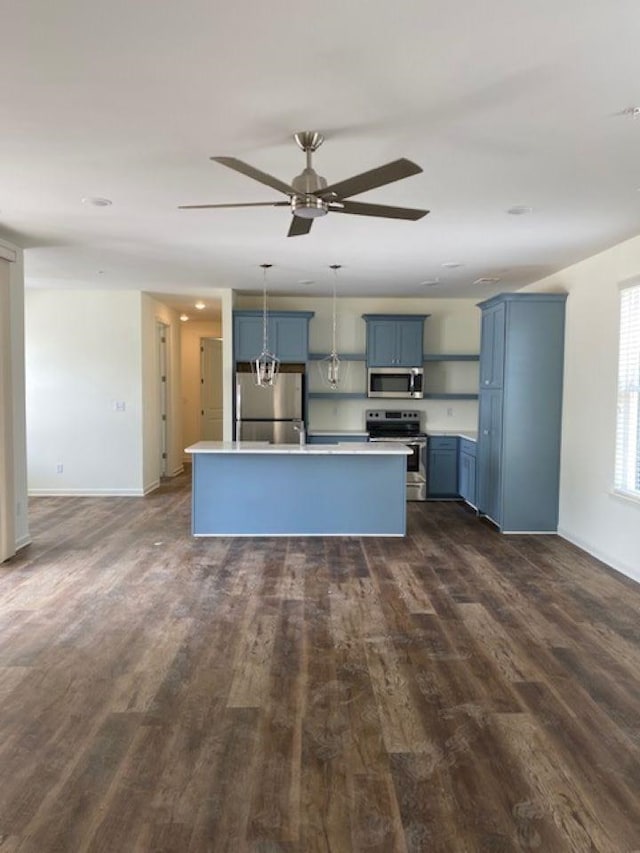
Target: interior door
(162, 331)
(211, 389)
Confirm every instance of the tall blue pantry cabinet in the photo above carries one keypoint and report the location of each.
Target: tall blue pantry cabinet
(520, 410)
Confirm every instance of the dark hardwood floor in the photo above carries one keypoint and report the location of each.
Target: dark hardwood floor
(453, 691)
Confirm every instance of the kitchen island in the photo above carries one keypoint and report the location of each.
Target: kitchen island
(258, 489)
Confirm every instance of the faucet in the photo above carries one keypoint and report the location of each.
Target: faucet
(299, 427)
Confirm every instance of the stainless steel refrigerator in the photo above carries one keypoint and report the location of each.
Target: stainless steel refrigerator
(270, 414)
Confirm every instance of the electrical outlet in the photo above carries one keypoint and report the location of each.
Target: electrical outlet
(449, 413)
(59, 468)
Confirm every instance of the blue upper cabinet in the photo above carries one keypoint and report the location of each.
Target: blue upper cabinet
(492, 354)
(395, 340)
(520, 411)
(287, 335)
(247, 336)
(291, 336)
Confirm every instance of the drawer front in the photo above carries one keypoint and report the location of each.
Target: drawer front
(467, 446)
(441, 442)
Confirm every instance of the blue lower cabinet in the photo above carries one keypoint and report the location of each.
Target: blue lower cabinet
(467, 471)
(442, 467)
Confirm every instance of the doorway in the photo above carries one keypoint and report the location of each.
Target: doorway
(211, 389)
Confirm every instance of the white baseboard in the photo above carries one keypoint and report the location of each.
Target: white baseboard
(628, 571)
(178, 470)
(86, 493)
(152, 487)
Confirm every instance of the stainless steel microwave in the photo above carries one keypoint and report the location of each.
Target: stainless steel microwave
(396, 382)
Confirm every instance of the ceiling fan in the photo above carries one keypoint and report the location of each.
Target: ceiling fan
(310, 196)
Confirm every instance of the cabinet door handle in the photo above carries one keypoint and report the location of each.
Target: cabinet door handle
(485, 432)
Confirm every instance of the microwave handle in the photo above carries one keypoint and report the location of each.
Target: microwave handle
(412, 383)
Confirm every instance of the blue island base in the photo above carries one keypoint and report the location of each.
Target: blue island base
(298, 494)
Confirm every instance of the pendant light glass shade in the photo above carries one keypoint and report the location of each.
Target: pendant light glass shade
(265, 366)
(331, 367)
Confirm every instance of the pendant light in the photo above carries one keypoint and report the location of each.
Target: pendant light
(330, 365)
(265, 366)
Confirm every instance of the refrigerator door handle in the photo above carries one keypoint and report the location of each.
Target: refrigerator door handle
(238, 410)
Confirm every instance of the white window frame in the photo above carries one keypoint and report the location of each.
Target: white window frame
(627, 451)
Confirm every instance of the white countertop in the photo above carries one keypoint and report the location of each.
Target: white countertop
(471, 435)
(337, 432)
(347, 448)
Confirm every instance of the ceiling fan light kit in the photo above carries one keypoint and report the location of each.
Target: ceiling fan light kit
(308, 207)
(309, 196)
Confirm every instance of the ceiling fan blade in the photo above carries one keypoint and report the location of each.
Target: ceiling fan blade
(299, 226)
(248, 204)
(256, 174)
(361, 209)
(386, 174)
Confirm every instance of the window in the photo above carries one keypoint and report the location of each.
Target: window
(627, 475)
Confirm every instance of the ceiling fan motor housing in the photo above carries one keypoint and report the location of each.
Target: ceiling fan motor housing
(305, 203)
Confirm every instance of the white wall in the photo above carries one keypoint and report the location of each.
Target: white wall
(154, 312)
(453, 326)
(84, 355)
(590, 514)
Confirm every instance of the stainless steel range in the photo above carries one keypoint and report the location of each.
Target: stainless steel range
(405, 427)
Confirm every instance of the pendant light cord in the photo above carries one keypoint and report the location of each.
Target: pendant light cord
(265, 267)
(335, 268)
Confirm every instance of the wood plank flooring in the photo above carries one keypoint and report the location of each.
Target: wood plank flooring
(451, 692)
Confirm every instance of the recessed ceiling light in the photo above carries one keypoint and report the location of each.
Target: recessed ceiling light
(451, 265)
(486, 280)
(520, 210)
(199, 305)
(97, 201)
(430, 282)
(306, 281)
(184, 317)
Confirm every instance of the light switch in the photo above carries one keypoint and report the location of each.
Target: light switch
(119, 406)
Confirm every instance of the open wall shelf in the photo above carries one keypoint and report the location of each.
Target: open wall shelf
(337, 395)
(450, 357)
(428, 396)
(427, 356)
(344, 356)
(361, 357)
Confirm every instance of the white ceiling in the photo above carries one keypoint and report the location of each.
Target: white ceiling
(502, 103)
